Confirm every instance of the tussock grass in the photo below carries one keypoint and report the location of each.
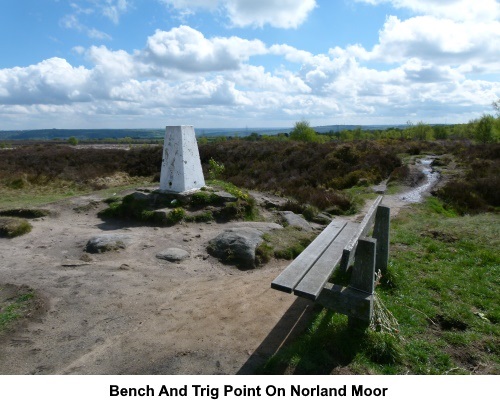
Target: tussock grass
(12, 227)
(287, 243)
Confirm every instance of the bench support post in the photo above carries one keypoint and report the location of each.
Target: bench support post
(381, 234)
(363, 279)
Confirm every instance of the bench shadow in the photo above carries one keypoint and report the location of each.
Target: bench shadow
(344, 344)
(334, 358)
(293, 322)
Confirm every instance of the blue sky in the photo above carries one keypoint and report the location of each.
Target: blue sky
(238, 63)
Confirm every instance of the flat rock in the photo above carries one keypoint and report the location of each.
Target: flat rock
(106, 243)
(161, 214)
(225, 196)
(138, 195)
(236, 246)
(175, 255)
(260, 226)
(295, 220)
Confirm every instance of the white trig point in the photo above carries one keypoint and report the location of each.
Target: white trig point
(181, 166)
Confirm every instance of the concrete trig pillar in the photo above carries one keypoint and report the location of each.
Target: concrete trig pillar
(181, 166)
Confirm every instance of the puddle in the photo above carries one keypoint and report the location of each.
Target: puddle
(431, 178)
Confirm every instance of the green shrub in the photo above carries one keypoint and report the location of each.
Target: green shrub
(216, 169)
(175, 216)
(263, 253)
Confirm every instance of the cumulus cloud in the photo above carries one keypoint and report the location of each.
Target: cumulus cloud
(53, 81)
(256, 13)
(278, 13)
(188, 50)
(448, 42)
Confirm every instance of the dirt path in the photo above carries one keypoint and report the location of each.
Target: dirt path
(131, 313)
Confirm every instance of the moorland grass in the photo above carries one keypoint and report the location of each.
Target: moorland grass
(15, 310)
(442, 286)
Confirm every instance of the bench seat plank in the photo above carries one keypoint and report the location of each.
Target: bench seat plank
(364, 227)
(313, 282)
(293, 274)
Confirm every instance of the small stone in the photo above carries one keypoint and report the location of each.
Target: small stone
(74, 263)
(106, 243)
(86, 258)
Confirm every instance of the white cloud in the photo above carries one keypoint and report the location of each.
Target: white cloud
(476, 44)
(412, 72)
(53, 81)
(188, 50)
(459, 10)
(256, 13)
(112, 65)
(254, 78)
(277, 13)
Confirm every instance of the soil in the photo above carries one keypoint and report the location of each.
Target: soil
(128, 312)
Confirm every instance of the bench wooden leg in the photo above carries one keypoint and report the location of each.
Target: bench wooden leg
(381, 233)
(363, 279)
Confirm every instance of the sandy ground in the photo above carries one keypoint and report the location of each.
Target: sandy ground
(130, 313)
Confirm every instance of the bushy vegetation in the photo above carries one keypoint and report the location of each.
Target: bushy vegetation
(478, 188)
(45, 163)
(313, 173)
(310, 173)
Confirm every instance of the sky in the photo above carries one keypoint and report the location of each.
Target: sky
(246, 63)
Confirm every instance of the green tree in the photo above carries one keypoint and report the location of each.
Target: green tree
(496, 107)
(483, 131)
(73, 141)
(302, 131)
(422, 131)
(440, 132)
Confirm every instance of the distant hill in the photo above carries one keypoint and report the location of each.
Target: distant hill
(90, 134)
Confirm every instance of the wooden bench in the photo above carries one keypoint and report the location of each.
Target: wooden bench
(342, 243)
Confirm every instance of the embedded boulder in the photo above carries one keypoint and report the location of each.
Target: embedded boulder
(174, 255)
(236, 246)
(107, 243)
(225, 196)
(292, 219)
